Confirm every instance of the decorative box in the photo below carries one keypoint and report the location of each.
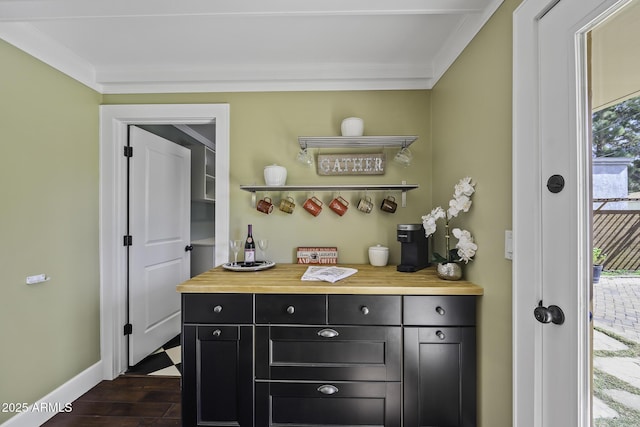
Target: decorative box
(317, 255)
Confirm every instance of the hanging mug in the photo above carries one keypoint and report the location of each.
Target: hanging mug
(339, 205)
(389, 204)
(265, 206)
(313, 206)
(287, 205)
(365, 205)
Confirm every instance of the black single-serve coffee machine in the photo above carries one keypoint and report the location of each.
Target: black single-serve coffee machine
(414, 248)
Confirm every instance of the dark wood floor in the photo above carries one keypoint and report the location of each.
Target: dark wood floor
(127, 401)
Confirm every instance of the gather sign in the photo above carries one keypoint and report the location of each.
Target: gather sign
(351, 164)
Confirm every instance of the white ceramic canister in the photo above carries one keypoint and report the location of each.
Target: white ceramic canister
(378, 255)
(275, 175)
(352, 126)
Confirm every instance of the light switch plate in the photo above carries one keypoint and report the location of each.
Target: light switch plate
(508, 244)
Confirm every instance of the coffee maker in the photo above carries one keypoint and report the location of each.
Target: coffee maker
(414, 254)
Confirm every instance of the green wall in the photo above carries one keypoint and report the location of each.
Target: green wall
(50, 332)
(471, 117)
(265, 129)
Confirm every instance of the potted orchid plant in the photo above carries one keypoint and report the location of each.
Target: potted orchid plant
(465, 248)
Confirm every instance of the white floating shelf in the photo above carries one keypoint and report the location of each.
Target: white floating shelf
(340, 187)
(355, 141)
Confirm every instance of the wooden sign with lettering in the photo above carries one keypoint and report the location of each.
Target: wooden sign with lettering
(351, 164)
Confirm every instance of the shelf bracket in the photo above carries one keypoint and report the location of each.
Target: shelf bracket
(253, 199)
(404, 196)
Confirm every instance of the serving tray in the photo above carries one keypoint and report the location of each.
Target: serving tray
(259, 265)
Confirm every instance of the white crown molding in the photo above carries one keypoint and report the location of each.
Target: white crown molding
(26, 38)
(267, 86)
(260, 78)
(75, 9)
(461, 37)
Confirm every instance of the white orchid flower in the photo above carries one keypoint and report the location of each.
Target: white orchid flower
(429, 221)
(464, 187)
(461, 202)
(466, 248)
(458, 204)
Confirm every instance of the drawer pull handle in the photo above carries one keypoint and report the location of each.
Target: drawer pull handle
(217, 309)
(328, 389)
(328, 333)
(217, 333)
(364, 309)
(291, 309)
(440, 335)
(440, 311)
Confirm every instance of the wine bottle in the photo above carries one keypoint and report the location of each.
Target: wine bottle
(249, 249)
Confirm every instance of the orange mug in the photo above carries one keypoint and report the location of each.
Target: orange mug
(339, 205)
(313, 206)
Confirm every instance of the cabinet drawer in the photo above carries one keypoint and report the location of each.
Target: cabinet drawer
(291, 309)
(364, 310)
(328, 404)
(440, 310)
(217, 308)
(348, 353)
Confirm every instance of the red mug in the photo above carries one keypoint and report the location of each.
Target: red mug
(339, 205)
(265, 206)
(313, 206)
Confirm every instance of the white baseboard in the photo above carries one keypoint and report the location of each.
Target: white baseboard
(58, 400)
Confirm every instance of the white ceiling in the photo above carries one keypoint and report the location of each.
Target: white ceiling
(142, 46)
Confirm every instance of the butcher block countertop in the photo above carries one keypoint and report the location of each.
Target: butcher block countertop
(285, 278)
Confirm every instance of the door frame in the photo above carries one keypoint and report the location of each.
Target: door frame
(114, 122)
(528, 184)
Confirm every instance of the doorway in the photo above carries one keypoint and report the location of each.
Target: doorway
(114, 122)
(552, 257)
(616, 220)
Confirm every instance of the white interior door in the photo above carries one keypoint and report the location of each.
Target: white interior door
(552, 260)
(159, 221)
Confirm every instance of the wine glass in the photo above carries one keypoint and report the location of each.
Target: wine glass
(235, 247)
(263, 244)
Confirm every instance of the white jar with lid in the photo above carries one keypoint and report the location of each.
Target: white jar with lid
(378, 255)
(275, 175)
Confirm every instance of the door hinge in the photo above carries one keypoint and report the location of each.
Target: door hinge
(128, 240)
(128, 151)
(128, 329)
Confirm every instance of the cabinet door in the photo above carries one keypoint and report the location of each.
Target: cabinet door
(440, 377)
(217, 377)
(328, 404)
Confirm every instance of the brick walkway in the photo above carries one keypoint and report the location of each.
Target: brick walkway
(616, 303)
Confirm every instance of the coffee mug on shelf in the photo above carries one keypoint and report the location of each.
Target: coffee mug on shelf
(339, 205)
(313, 206)
(287, 205)
(265, 206)
(389, 204)
(365, 205)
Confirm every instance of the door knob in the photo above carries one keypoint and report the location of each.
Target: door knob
(188, 248)
(552, 314)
